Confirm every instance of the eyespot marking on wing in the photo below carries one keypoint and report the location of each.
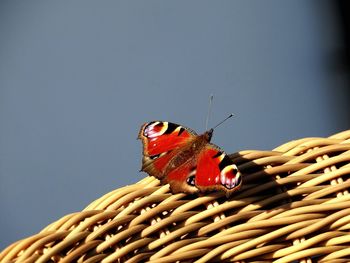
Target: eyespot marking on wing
(230, 177)
(155, 129)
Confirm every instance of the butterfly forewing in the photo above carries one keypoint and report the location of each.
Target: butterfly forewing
(160, 141)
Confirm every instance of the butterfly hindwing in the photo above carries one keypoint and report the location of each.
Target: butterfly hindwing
(181, 179)
(216, 171)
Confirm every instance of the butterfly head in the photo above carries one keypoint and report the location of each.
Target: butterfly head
(208, 134)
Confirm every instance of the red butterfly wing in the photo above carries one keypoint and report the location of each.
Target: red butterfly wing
(161, 142)
(216, 171)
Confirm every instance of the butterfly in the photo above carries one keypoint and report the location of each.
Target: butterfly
(188, 162)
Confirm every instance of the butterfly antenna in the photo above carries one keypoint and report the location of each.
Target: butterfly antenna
(221, 122)
(209, 111)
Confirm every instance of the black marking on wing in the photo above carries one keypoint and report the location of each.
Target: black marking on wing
(171, 128)
(191, 180)
(239, 179)
(181, 131)
(156, 156)
(225, 162)
(217, 155)
(153, 157)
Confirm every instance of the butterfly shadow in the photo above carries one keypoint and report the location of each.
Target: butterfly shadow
(267, 184)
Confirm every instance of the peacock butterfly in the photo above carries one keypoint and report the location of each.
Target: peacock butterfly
(188, 162)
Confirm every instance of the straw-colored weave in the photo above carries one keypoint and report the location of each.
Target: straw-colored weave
(294, 206)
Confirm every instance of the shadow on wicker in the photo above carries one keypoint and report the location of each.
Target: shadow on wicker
(294, 207)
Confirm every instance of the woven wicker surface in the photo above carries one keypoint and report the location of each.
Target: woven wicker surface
(294, 206)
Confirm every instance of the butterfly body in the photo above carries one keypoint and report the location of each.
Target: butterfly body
(187, 154)
(187, 161)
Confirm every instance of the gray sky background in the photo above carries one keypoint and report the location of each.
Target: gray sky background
(78, 78)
